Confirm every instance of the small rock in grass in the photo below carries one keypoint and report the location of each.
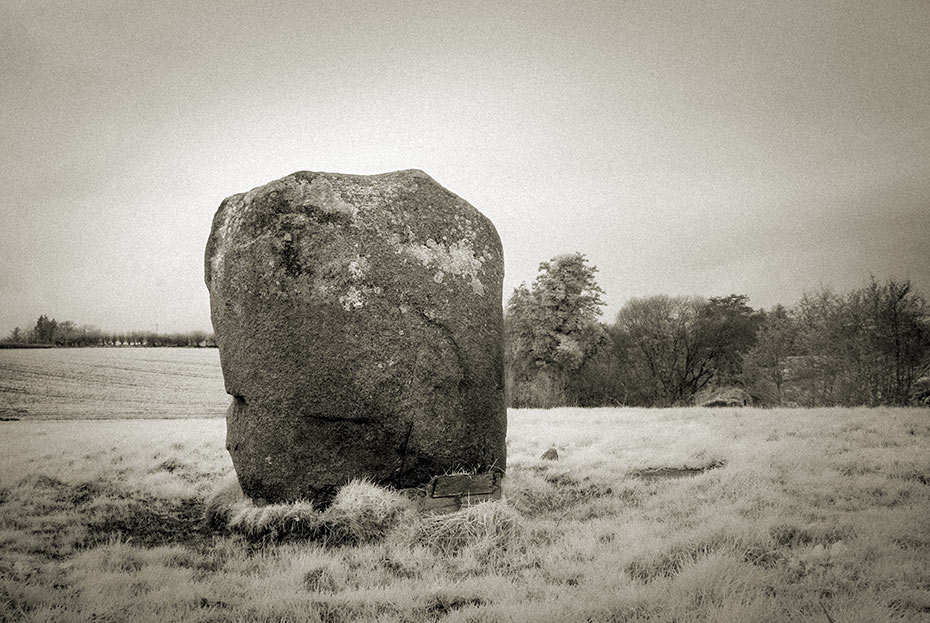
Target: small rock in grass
(550, 455)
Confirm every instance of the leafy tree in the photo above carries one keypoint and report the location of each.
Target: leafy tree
(552, 330)
(765, 367)
(45, 330)
(605, 378)
(66, 334)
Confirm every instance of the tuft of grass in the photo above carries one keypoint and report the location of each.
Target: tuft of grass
(668, 562)
(361, 512)
(538, 492)
(324, 578)
(275, 522)
(225, 497)
(489, 531)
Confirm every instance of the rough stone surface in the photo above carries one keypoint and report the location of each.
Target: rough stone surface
(360, 331)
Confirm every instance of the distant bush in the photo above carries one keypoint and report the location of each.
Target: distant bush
(870, 346)
(50, 332)
(541, 391)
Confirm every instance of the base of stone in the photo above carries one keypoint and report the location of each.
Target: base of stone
(447, 494)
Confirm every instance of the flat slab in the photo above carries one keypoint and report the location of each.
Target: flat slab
(458, 485)
(447, 494)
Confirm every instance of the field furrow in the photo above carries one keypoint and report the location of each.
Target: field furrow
(94, 383)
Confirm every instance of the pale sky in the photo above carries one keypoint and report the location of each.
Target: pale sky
(759, 148)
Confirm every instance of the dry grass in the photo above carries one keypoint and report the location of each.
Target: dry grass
(648, 515)
(488, 532)
(360, 513)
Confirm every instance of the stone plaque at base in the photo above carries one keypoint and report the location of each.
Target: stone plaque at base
(447, 494)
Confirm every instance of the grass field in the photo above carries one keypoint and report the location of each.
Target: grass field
(93, 383)
(647, 515)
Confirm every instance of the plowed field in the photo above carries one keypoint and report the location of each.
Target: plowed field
(104, 383)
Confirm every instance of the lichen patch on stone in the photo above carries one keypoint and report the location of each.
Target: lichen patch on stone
(358, 289)
(458, 258)
(318, 194)
(352, 299)
(358, 267)
(224, 230)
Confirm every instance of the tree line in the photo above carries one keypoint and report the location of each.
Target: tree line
(870, 346)
(49, 332)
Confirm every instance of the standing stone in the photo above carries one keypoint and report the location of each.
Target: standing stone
(360, 331)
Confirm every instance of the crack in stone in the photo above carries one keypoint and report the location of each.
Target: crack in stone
(463, 365)
(341, 418)
(403, 449)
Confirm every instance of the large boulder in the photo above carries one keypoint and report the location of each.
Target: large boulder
(360, 331)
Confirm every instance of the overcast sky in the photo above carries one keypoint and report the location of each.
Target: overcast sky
(761, 148)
